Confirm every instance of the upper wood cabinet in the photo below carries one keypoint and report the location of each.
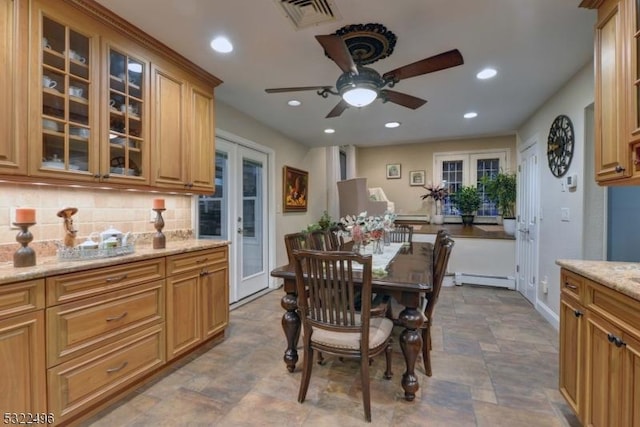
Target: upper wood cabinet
(183, 131)
(617, 91)
(13, 159)
(103, 102)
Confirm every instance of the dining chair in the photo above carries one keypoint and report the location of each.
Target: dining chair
(439, 269)
(440, 263)
(401, 233)
(335, 239)
(442, 233)
(293, 242)
(331, 323)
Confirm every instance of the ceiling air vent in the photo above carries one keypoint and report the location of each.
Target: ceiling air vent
(305, 13)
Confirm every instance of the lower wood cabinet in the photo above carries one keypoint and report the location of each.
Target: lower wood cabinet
(600, 354)
(197, 298)
(22, 348)
(107, 329)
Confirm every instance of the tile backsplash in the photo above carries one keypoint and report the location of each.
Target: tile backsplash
(97, 210)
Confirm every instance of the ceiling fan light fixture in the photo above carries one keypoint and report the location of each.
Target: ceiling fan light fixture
(359, 96)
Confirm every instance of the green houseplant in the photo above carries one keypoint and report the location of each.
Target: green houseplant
(468, 201)
(501, 189)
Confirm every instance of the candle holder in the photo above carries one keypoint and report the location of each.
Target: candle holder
(159, 240)
(24, 256)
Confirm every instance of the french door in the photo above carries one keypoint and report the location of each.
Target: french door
(238, 212)
(527, 232)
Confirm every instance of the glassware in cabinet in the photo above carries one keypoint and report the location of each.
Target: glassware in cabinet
(127, 139)
(67, 86)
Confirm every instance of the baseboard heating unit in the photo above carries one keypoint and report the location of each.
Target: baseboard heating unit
(481, 279)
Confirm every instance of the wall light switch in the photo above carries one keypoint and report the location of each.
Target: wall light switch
(564, 214)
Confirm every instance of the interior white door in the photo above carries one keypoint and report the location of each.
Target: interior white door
(238, 212)
(527, 232)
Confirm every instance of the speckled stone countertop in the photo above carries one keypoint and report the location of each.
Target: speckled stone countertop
(623, 277)
(49, 266)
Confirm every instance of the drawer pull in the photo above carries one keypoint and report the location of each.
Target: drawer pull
(119, 368)
(112, 319)
(116, 278)
(577, 313)
(567, 285)
(617, 341)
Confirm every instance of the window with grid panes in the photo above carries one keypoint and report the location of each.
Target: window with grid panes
(456, 170)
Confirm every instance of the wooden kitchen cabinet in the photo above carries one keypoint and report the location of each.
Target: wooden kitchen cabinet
(22, 348)
(617, 91)
(13, 158)
(102, 102)
(599, 353)
(197, 298)
(183, 131)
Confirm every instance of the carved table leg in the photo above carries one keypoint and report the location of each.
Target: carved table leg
(291, 328)
(411, 344)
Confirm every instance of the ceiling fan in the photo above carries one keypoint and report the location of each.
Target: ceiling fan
(359, 86)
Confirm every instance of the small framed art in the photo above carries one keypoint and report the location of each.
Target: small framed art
(416, 177)
(294, 191)
(393, 171)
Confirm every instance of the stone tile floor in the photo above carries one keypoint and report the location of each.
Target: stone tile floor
(495, 363)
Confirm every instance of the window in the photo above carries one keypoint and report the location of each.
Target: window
(464, 169)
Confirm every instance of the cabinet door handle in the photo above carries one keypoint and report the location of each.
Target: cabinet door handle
(114, 318)
(567, 285)
(204, 273)
(619, 169)
(611, 337)
(119, 368)
(117, 278)
(577, 313)
(105, 176)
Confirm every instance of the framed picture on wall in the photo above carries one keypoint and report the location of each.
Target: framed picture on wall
(295, 183)
(393, 171)
(416, 177)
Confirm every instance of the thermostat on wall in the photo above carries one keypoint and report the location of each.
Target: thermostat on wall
(572, 181)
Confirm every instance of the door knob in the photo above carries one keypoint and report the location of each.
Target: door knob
(239, 230)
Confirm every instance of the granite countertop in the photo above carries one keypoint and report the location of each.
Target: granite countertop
(623, 277)
(49, 266)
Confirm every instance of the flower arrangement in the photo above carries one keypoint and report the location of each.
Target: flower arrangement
(363, 227)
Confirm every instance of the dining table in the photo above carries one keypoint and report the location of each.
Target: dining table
(404, 272)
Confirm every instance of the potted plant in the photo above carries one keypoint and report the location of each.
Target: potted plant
(501, 189)
(468, 201)
(438, 193)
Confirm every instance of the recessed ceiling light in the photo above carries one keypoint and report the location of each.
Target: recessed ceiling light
(392, 125)
(487, 73)
(294, 103)
(470, 115)
(329, 130)
(221, 44)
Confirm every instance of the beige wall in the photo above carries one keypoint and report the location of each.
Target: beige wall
(371, 163)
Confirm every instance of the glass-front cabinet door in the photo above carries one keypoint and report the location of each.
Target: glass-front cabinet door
(68, 88)
(126, 153)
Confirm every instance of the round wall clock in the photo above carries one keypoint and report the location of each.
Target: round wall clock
(560, 145)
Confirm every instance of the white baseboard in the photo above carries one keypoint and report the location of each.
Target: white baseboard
(548, 314)
(478, 279)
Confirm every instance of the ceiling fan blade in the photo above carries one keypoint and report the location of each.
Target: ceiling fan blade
(337, 50)
(338, 109)
(403, 99)
(438, 62)
(296, 89)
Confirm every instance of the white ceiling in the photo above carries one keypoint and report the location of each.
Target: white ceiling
(536, 46)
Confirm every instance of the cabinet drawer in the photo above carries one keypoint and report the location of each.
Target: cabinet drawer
(21, 297)
(616, 307)
(185, 262)
(82, 284)
(572, 284)
(77, 327)
(95, 376)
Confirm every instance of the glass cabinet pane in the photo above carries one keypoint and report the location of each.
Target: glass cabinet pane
(66, 85)
(126, 107)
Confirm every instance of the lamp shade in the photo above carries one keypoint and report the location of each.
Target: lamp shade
(359, 96)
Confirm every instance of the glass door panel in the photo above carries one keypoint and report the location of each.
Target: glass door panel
(213, 209)
(126, 107)
(66, 86)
